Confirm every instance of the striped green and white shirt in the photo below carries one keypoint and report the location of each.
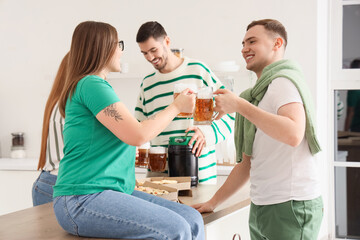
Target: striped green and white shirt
(156, 93)
(55, 141)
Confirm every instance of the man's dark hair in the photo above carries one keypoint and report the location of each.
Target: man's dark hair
(150, 29)
(355, 63)
(271, 25)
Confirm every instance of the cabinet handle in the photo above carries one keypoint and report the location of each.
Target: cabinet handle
(236, 235)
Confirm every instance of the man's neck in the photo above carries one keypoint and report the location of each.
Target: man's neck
(173, 63)
(258, 74)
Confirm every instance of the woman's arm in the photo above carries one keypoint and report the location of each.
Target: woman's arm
(123, 124)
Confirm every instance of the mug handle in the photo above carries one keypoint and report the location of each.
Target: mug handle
(215, 114)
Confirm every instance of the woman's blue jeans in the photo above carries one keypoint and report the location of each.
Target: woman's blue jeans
(42, 190)
(112, 214)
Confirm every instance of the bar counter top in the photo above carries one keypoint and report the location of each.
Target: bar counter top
(40, 223)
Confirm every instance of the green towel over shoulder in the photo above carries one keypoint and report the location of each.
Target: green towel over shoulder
(245, 130)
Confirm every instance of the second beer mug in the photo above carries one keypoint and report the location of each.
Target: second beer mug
(204, 108)
(157, 159)
(143, 159)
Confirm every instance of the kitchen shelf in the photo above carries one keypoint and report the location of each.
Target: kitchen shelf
(19, 164)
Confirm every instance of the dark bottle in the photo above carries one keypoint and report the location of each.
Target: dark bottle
(182, 162)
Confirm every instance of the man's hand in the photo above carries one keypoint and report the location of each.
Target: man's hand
(199, 138)
(226, 102)
(204, 207)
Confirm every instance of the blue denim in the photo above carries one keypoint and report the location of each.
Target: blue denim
(111, 214)
(42, 190)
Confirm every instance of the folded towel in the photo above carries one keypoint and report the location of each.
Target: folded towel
(245, 130)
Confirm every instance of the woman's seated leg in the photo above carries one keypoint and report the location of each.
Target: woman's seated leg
(112, 214)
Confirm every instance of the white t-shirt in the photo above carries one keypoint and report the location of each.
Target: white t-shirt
(280, 172)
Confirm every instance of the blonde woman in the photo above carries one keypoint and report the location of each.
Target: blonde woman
(94, 194)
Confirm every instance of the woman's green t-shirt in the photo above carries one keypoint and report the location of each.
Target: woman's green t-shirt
(94, 158)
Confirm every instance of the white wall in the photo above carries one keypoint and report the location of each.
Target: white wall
(35, 35)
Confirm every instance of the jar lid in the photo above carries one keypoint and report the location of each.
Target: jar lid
(17, 134)
(179, 140)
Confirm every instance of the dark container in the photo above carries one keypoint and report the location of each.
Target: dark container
(182, 162)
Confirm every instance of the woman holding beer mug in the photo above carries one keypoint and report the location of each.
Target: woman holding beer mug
(94, 194)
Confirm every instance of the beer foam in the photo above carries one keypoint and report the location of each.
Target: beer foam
(145, 146)
(157, 150)
(205, 93)
(179, 87)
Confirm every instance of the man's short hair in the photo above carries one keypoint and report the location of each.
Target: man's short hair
(271, 25)
(150, 29)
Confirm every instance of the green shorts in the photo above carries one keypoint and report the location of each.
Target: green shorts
(290, 220)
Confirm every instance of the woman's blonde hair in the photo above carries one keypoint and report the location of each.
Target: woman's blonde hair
(50, 104)
(93, 44)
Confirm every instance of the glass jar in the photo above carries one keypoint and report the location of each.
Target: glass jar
(18, 145)
(178, 52)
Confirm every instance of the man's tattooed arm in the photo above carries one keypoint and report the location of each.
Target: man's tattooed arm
(111, 112)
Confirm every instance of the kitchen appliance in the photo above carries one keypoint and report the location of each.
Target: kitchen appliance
(181, 161)
(18, 146)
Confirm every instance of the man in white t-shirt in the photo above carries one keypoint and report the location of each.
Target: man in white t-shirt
(275, 141)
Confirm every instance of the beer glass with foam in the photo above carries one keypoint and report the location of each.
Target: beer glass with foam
(204, 107)
(143, 158)
(157, 159)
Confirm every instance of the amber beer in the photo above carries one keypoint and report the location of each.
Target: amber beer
(179, 87)
(204, 107)
(204, 111)
(157, 159)
(143, 159)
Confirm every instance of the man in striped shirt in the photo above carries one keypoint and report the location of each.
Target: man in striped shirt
(156, 93)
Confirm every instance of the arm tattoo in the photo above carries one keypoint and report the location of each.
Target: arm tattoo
(111, 112)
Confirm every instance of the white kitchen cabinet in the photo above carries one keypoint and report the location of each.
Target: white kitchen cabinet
(15, 189)
(226, 227)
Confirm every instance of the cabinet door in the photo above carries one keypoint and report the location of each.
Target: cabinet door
(226, 227)
(15, 188)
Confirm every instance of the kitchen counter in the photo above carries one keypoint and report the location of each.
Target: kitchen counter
(40, 222)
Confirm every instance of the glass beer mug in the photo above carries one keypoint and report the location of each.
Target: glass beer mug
(204, 107)
(178, 88)
(157, 159)
(143, 158)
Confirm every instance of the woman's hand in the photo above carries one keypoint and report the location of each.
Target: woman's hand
(226, 102)
(185, 101)
(204, 207)
(199, 138)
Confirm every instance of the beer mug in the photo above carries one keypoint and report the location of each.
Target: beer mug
(178, 88)
(143, 158)
(204, 107)
(157, 159)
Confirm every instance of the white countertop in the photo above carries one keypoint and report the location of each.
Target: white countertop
(19, 164)
(30, 164)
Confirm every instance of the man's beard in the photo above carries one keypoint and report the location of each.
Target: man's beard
(164, 59)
